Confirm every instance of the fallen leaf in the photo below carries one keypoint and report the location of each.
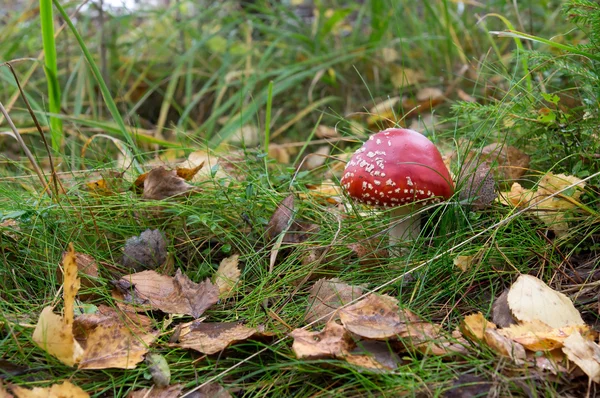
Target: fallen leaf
(474, 326)
(280, 153)
(147, 251)
(376, 317)
(326, 132)
(188, 173)
(430, 94)
(325, 193)
(504, 346)
(326, 296)
(429, 339)
(109, 184)
(162, 184)
(54, 333)
(585, 354)
(375, 355)
(537, 336)
(468, 386)
(512, 162)
(157, 392)
(333, 341)
(384, 111)
(501, 314)
(63, 390)
(159, 370)
(172, 295)
(463, 263)
(113, 338)
(210, 338)
(403, 77)
(477, 185)
(215, 166)
(317, 158)
(211, 390)
(551, 211)
(227, 276)
(88, 269)
(281, 219)
(531, 299)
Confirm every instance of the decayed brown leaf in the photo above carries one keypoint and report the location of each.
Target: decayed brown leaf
(187, 173)
(375, 355)
(146, 251)
(333, 341)
(530, 299)
(227, 275)
(172, 295)
(113, 339)
(501, 314)
(211, 390)
(376, 317)
(281, 219)
(326, 296)
(478, 184)
(162, 183)
(63, 390)
(326, 193)
(54, 333)
(157, 392)
(210, 338)
(512, 162)
(584, 353)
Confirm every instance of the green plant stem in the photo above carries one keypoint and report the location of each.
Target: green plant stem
(51, 69)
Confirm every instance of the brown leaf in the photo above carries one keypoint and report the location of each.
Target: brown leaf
(501, 314)
(157, 392)
(54, 333)
(324, 131)
(172, 295)
(147, 251)
(333, 341)
(477, 183)
(210, 338)
(376, 317)
(585, 354)
(211, 390)
(88, 268)
(162, 183)
(188, 174)
(328, 295)
(281, 219)
(113, 339)
(63, 390)
(429, 339)
(504, 346)
(512, 162)
(227, 275)
(375, 355)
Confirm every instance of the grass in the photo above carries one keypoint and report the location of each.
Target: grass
(182, 78)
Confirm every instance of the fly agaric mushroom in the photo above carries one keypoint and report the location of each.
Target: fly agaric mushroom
(398, 168)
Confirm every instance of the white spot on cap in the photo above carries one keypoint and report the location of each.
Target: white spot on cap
(377, 182)
(370, 154)
(378, 141)
(409, 181)
(364, 185)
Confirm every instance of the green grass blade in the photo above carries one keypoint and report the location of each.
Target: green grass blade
(51, 69)
(108, 100)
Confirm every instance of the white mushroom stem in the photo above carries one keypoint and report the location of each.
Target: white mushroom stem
(406, 225)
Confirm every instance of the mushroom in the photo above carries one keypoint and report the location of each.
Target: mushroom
(398, 168)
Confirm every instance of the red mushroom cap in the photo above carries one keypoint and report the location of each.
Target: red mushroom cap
(396, 167)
